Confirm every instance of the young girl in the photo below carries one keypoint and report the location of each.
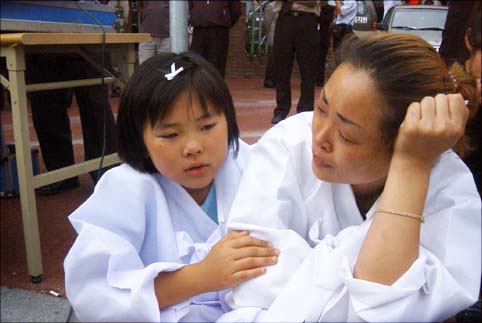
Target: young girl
(375, 217)
(140, 254)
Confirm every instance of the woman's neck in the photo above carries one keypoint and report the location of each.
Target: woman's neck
(366, 195)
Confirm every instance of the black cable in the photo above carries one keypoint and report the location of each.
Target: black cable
(104, 130)
(99, 171)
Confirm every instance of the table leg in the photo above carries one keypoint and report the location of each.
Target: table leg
(16, 71)
(131, 60)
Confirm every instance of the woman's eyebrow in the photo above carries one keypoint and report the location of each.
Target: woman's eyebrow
(348, 121)
(340, 116)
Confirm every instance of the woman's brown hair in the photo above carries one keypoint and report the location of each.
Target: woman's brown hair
(405, 69)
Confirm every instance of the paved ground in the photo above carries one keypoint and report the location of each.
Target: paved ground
(18, 305)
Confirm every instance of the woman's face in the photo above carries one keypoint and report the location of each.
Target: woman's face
(347, 147)
(188, 146)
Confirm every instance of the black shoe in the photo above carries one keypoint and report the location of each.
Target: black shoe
(58, 187)
(277, 118)
(270, 84)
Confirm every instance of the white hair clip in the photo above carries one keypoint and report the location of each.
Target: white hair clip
(174, 72)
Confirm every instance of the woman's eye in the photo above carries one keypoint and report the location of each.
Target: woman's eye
(345, 139)
(208, 126)
(320, 110)
(169, 136)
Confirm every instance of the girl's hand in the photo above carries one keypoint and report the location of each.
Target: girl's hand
(235, 258)
(431, 127)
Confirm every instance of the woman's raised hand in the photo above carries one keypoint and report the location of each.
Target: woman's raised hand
(235, 258)
(430, 127)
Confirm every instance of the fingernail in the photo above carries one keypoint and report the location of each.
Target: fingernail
(274, 259)
(276, 251)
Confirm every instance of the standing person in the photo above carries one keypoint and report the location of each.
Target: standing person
(376, 219)
(269, 22)
(52, 123)
(296, 36)
(473, 67)
(326, 18)
(211, 21)
(346, 13)
(452, 49)
(141, 253)
(155, 21)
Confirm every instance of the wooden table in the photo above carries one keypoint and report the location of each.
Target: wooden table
(14, 47)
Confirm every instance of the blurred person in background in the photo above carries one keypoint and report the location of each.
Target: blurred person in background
(211, 21)
(155, 21)
(326, 18)
(297, 35)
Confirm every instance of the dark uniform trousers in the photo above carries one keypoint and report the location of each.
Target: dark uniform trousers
(326, 17)
(295, 37)
(212, 43)
(49, 110)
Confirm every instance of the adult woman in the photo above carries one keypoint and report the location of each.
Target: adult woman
(344, 202)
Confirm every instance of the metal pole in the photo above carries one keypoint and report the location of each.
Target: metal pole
(178, 12)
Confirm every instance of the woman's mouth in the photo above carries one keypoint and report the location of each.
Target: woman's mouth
(320, 163)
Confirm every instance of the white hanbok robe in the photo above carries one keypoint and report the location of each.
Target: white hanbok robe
(134, 226)
(319, 230)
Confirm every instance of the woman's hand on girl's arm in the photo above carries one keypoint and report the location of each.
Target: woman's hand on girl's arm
(392, 243)
(235, 258)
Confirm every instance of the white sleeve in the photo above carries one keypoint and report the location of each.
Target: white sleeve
(444, 280)
(269, 202)
(348, 7)
(105, 277)
(269, 194)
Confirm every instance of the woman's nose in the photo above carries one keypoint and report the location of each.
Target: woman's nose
(323, 138)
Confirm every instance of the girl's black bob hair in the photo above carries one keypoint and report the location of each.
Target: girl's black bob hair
(149, 97)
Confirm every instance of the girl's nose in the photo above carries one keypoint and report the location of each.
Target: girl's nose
(192, 148)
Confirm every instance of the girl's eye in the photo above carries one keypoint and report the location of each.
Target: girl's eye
(169, 136)
(345, 139)
(208, 126)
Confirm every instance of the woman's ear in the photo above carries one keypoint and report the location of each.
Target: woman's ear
(467, 41)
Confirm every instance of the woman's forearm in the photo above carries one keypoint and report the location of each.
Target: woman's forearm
(392, 242)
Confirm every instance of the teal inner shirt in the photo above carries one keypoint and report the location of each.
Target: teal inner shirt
(210, 206)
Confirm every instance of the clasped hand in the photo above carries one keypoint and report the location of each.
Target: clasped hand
(430, 127)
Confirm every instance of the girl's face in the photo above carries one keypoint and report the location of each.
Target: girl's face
(188, 146)
(347, 147)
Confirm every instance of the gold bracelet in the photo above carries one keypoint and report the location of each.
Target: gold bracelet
(410, 215)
